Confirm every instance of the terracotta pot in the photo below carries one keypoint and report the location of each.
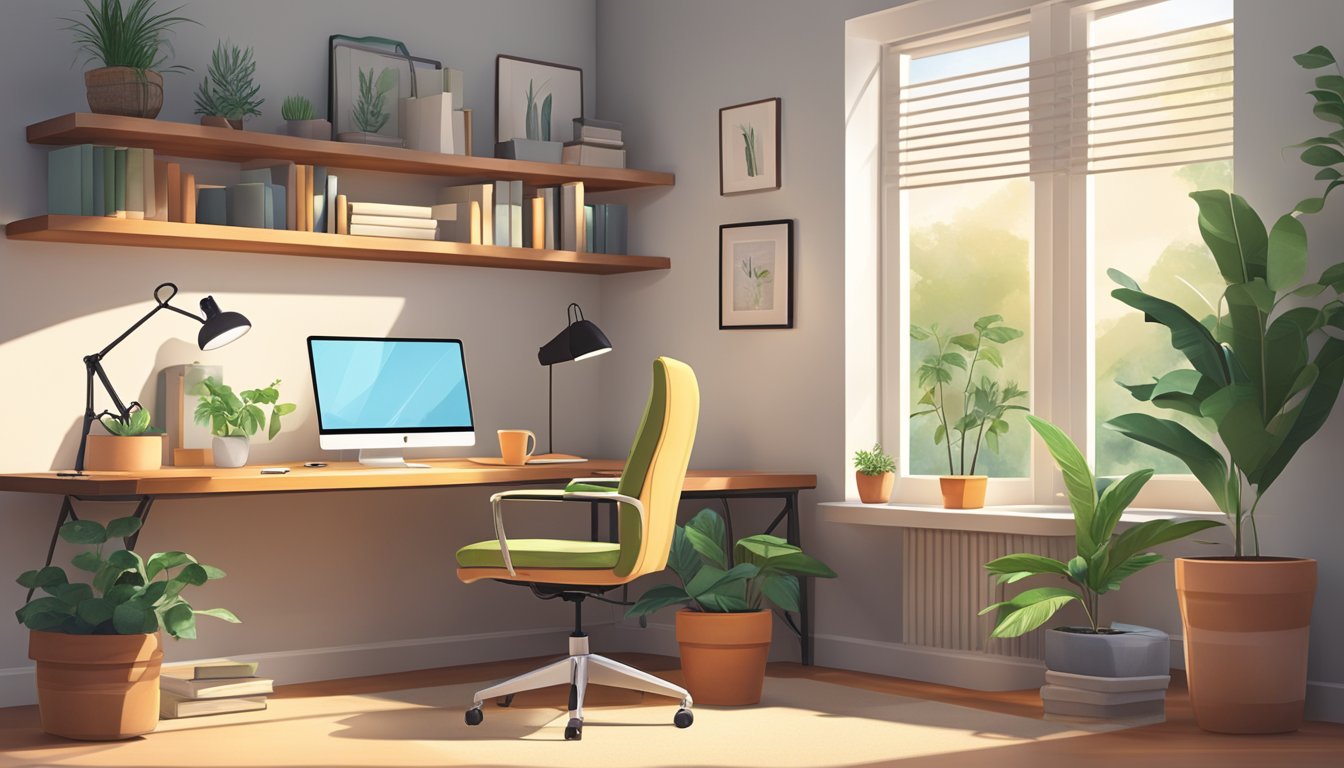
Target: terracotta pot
(874, 489)
(1246, 624)
(112, 453)
(723, 655)
(124, 91)
(97, 687)
(215, 121)
(963, 491)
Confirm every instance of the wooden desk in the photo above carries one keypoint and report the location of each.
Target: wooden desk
(188, 482)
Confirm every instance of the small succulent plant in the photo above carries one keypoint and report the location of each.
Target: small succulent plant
(296, 108)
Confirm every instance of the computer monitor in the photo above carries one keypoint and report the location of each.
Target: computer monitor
(384, 395)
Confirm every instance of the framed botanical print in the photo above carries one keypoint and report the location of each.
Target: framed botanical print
(756, 274)
(749, 147)
(536, 99)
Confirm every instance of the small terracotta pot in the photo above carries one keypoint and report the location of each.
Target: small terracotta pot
(963, 491)
(874, 489)
(1247, 623)
(97, 687)
(113, 453)
(215, 121)
(124, 91)
(723, 655)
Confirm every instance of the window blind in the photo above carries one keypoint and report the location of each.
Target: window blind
(1156, 100)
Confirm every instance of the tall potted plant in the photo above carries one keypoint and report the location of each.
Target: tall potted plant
(234, 418)
(97, 643)
(1103, 561)
(724, 629)
(129, 43)
(969, 414)
(1266, 369)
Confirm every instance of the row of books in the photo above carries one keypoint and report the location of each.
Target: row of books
(212, 689)
(497, 213)
(596, 142)
(121, 182)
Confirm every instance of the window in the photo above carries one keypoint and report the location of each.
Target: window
(1023, 158)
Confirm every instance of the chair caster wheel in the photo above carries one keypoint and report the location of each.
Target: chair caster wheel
(505, 702)
(683, 718)
(574, 731)
(475, 716)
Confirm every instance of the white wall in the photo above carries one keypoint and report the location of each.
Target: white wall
(306, 571)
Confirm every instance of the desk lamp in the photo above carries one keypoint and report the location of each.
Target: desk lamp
(580, 340)
(217, 329)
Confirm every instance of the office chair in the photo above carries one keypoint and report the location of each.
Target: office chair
(647, 492)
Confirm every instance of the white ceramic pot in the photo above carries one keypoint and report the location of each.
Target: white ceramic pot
(230, 451)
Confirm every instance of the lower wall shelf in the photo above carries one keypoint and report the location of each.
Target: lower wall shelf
(98, 230)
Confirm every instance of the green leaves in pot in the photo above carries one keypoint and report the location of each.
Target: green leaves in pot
(133, 36)
(239, 415)
(874, 462)
(126, 594)
(228, 89)
(138, 423)
(762, 567)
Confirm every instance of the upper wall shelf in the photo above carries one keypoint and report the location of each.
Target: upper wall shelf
(207, 143)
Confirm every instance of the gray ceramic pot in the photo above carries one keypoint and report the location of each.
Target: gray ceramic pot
(309, 129)
(1132, 651)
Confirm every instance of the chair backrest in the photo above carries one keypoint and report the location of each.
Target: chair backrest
(656, 468)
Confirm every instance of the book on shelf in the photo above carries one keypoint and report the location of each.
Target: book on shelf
(99, 201)
(70, 180)
(212, 204)
(109, 181)
(172, 706)
(476, 227)
(119, 182)
(317, 199)
(217, 670)
(581, 153)
(331, 196)
(427, 123)
(392, 209)
(501, 219)
(549, 226)
(538, 228)
(284, 175)
(616, 236)
(173, 191)
(147, 180)
(589, 220)
(342, 215)
(394, 221)
(377, 230)
(122, 182)
(189, 197)
(596, 142)
(181, 681)
(573, 231)
(135, 183)
(516, 214)
(600, 229)
(586, 128)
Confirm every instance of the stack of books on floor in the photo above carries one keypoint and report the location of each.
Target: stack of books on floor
(596, 142)
(416, 222)
(212, 689)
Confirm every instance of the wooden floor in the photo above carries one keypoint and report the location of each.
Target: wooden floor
(1176, 743)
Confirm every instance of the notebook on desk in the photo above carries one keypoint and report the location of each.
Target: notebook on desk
(545, 458)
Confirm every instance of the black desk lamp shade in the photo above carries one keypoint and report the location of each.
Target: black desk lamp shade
(217, 329)
(580, 340)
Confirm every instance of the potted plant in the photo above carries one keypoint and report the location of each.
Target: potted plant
(724, 632)
(1103, 561)
(129, 43)
(299, 121)
(228, 94)
(129, 446)
(1267, 369)
(97, 643)
(233, 419)
(874, 473)
(370, 112)
(971, 414)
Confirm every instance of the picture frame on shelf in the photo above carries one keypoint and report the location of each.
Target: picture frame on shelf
(367, 79)
(749, 147)
(756, 275)
(536, 100)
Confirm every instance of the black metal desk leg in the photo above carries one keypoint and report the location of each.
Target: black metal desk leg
(67, 513)
(141, 514)
(795, 537)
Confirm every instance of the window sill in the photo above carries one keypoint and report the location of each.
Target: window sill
(1025, 519)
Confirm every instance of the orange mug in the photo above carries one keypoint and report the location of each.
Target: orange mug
(515, 445)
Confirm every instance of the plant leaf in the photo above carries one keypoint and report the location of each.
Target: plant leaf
(1029, 610)
(1078, 480)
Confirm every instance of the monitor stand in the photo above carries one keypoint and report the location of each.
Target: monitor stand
(386, 458)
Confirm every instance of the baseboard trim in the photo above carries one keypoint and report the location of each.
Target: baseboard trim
(1325, 701)
(963, 669)
(309, 664)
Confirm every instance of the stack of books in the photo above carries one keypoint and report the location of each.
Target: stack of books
(278, 194)
(596, 142)
(117, 182)
(415, 222)
(212, 689)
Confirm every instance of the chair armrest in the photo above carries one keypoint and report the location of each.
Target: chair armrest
(548, 495)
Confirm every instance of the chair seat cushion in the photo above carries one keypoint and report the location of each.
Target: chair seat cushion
(541, 553)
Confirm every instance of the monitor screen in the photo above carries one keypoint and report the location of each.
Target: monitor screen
(366, 385)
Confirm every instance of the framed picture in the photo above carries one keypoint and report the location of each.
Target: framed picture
(749, 147)
(536, 99)
(756, 274)
(368, 78)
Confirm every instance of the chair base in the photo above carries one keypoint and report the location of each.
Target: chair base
(577, 670)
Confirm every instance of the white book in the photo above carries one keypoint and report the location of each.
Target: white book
(502, 228)
(573, 227)
(445, 211)
(548, 209)
(171, 705)
(428, 123)
(460, 132)
(465, 229)
(391, 209)
(180, 681)
(374, 230)
(598, 142)
(394, 221)
(516, 215)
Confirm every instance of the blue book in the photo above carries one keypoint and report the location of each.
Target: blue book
(276, 193)
(588, 227)
(212, 205)
(65, 181)
(616, 228)
(600, 228)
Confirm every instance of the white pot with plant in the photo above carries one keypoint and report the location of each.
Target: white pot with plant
(875, 474)
(234, 418)
(228, 94)
(1100, 669)
(130, 45)
(970, 414)
(297, 112)
(128, 446)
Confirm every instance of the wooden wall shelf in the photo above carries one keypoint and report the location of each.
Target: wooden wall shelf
(207, 143)
(98, 230)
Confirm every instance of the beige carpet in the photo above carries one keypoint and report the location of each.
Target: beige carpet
(798, 723)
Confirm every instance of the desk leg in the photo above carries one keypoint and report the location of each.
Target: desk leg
(795, 537)
(67, 513)
(141, 514)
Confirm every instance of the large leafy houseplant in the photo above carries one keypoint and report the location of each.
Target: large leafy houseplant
(1267, 364)
(239, 415)
(133, 36)
(1103, 559)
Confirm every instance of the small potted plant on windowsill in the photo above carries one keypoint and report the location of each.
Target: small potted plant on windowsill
(129, 43)
(128, 446)
(234, 418)
(297, 112)
(874, 473)
(227, 95)
(97, 645)
(724, 630)
(1086, 660)
(983, 404)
